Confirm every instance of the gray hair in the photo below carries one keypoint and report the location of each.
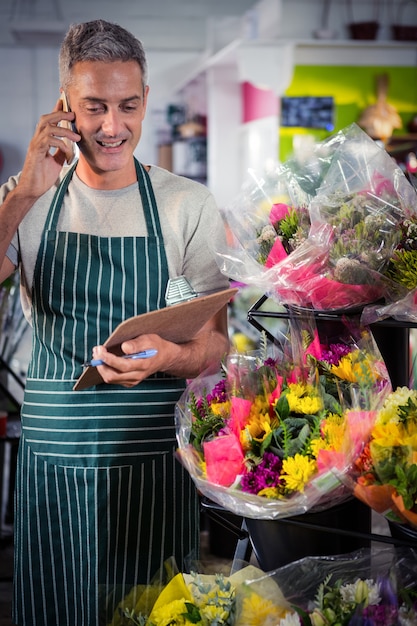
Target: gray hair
(99, 41)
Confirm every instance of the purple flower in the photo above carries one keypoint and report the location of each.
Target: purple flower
(383, 614)
(266, 474)
(380, 615)
(387, 592)
(217, 394)
(335, 352)
(270, 362)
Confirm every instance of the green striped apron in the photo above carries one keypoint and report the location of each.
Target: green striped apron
(101, 501)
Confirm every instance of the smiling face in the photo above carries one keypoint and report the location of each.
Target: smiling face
(109, 105)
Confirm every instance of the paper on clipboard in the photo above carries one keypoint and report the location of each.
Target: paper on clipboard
(177, 323)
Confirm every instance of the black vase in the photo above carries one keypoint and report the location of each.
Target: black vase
(404, 532)
(278, 542)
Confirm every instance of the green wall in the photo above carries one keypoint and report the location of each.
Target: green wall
(353, 89)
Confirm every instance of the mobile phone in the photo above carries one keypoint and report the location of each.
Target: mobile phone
(66, 124)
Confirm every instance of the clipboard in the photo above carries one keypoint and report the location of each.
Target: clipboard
(177, 323)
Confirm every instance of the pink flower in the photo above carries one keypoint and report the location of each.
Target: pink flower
(239, 413)
(224, 459)
(275, 394)
(315, 348)
(276, 254)
(382, 185)
(278, 212)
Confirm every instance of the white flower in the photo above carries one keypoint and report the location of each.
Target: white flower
(366, 591)
(290, 619)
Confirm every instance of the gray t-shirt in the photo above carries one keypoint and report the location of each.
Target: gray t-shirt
(189, 217)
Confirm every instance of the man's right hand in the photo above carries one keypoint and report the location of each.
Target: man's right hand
(45, 158)
(47, 153)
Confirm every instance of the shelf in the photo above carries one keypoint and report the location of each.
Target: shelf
(343, 52)
(392, 336)
(326, 316)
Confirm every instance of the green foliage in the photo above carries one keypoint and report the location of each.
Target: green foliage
(292, 230)
(407, 411)
(406, 484)
(288, 226)
(403, 268)
(203, 428)
(130, 618)
(294, 435)
(193, 614)
(263, 346)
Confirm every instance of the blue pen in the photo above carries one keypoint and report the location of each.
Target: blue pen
(144, 354)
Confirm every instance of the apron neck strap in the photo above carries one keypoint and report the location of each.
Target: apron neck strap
(145, 189)
(53, 214)
(148, 200)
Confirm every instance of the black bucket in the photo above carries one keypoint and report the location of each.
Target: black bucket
(404, 532)
(278, 542)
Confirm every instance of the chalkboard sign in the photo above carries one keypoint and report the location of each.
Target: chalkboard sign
(308, 112)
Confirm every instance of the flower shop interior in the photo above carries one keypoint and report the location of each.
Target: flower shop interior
(258, 100)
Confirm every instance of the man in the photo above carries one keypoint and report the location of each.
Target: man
(101, 501)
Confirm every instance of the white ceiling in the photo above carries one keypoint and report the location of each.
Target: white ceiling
(177, 25)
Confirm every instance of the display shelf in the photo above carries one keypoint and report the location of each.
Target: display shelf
(394, 345)
(250, 539)
(306, 52)
(256, 312)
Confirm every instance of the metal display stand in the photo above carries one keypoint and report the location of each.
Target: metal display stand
(8, 457)
(244, 547)
(4, 390)
(394, 345)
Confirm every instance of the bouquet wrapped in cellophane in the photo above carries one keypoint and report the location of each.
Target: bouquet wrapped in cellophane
(266, 222)
(364, 588)
(202, 599)
(401, 303)
(357, 589)
(354, 214)
(270, 435)
(384, 475)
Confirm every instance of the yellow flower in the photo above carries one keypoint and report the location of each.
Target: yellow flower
(221, 408)
(258, 420)
(171, 601)
(170, 614)
(303, 399)
(388, 435)
(211, 614)
(261, 426)
(270, 492)
(297, 471)
(354, 368)
(260, 405)
(333, 435)
(258, 611)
